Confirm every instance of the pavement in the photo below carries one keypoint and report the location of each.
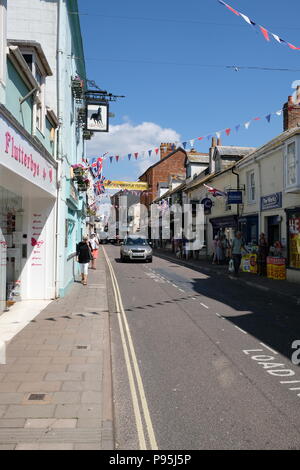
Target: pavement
(286, 290)
(56, 385)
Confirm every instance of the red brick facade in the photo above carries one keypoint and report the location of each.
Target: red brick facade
(172, 164)
(291, 112)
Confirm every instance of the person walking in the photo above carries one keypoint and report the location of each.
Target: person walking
(94, 244)
(236, 251)
(219, 251)
(214, 247)
(84, 256)
(262, 254)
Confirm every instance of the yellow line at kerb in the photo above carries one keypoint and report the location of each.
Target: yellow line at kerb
(141, 391)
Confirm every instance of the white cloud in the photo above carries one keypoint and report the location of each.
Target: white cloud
(127, 138)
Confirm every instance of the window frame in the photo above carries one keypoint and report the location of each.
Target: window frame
(287, 185)
(250, 187)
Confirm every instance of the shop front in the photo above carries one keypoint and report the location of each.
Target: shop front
(27, 216)
(293, 243)
(225, 226)
(248, 225)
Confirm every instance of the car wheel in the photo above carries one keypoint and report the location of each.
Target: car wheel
(149, 260)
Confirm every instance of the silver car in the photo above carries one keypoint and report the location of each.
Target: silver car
(136, 247)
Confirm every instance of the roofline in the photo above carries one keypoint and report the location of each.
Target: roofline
(208, 178)
(38, 48)
(162, 159)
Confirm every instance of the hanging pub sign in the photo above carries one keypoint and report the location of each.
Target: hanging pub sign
(97, 117)
(234, 197)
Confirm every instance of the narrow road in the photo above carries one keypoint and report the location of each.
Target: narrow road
(214, 360)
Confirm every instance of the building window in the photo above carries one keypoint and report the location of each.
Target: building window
(251, 187)
(291, 164)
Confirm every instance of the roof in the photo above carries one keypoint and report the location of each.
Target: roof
(163, 159)
(203, 179)
(198, 157)
(271, 144)
(231, 150)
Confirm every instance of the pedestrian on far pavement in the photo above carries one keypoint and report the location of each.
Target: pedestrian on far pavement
(236, 251)
(84, 256)
(262, 254)
(94, 248)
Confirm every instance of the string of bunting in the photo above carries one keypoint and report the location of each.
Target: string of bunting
(227, 131)
(265, 32)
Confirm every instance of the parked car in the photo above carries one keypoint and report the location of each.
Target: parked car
(136, 247)
(103, 237)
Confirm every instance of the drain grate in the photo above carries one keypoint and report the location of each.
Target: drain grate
(37, 396)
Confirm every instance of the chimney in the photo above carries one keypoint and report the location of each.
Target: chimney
(291, 112)
(219, 141)
(165, 149)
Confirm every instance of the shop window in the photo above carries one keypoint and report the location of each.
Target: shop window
(291, 166)
(251, 187)
(294, 239)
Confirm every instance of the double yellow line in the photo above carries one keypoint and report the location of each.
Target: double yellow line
(139, 401)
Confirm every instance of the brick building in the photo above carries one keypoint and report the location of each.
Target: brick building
(171, 163)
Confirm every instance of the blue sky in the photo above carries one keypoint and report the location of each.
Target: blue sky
(156, 53)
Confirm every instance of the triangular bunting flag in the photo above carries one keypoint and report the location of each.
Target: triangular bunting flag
(265, 33)
(156, 150)
(268, 117)
(192, 143)
(279, 112)
(247, 124)
(200, 138)
(184, 145)
(129, 156)
(136, 155)
(237, 128)
(149, 151)
(111, 159)
(117, 158)
(228, 131)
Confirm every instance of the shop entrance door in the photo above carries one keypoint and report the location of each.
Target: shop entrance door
(273, 230)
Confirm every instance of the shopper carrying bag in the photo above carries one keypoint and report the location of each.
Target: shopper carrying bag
(84, 256)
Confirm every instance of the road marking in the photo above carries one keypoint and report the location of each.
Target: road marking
(218, 315)
(240, 329)
(181, 290)
(121, 313)
(203, 305)
(270, 349)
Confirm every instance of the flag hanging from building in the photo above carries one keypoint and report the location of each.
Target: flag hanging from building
(215, 192)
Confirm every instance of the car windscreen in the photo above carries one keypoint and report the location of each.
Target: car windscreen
(136, 241)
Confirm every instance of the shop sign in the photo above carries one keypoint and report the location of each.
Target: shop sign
(19, 156)
(207, 205)
(272, 201)
(234, 197)
(97, 117)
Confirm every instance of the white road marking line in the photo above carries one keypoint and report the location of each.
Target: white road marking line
(203, 305)
(181, 290)
(289, 381)
(245, 333)
(270, 349)
(174, 285)
(141, 390)
(218, 315)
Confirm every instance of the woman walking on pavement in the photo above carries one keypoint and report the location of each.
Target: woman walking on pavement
(94, 244)
(236, 251)
(84, 256)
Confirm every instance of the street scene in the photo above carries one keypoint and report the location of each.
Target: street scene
(149, 228)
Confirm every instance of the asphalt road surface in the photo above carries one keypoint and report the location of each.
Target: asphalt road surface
(214, 360)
